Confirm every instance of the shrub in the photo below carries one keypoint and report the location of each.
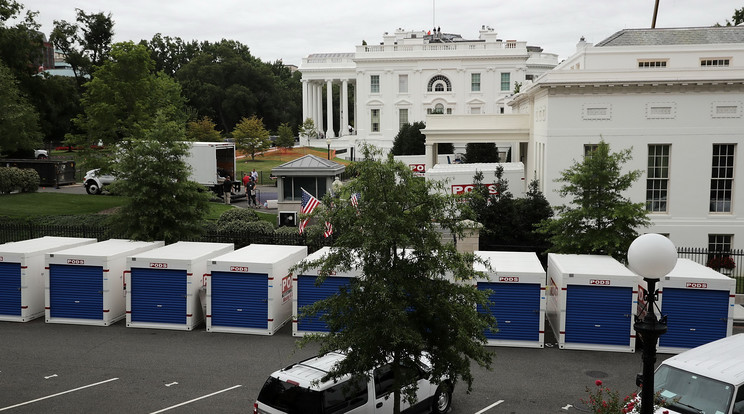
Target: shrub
(236, 215)
(16, 179)
(29, 180)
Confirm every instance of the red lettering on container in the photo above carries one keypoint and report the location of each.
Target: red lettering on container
(466, 188)
(238, 268)
(508, 279)
(75, 261)
(418, 168)
(159, 265)
(696, 285)
(601, 282)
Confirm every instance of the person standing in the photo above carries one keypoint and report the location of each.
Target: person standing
(227, 189)
(251, 189)
(246, 180)
(254, 176)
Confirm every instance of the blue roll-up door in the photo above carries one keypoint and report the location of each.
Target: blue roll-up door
(516, 307)
(598, 314)
(158, 295)
(10, 288)
(694, 316)
(240, 299)
(75, 291)
(308, 293)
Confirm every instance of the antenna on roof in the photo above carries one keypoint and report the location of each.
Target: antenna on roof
(656, 10)
(433, 13)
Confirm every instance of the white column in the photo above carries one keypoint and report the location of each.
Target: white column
(319, 106)
(329, 109)
(344, 105)
(305, 101)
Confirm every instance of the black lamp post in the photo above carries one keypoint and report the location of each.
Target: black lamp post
(328, 142)
(652, 256)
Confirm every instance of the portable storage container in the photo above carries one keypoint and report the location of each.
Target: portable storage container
(517, 282)
(85, 284)
(698, 303)
(250, 290)
(22, 275)
(163, 285)
(591, 302)
(307, 293)
(458, 178)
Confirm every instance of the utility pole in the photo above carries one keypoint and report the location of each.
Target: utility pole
(656, 10)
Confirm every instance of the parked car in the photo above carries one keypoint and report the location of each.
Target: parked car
(299, 388)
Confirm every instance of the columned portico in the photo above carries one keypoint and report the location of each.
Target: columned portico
(329, 109)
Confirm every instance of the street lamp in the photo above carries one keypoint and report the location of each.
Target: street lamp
(328, 142)
(652, 256)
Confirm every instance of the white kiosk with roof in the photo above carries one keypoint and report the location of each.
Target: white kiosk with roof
(163, 285)
(517, 283)
(85, 285)
(22, 275)
(250, 290)
(592, 302)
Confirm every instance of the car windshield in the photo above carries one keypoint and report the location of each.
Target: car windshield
(290, 398)
(686, 392)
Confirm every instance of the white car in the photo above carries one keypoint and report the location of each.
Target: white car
(299, 389)
(94, 182)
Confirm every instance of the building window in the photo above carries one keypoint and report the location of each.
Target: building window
(475, 82)
(475, 110)
(722, 178)
(293, 187)
(402, 83)
(589, 150)
(714, 62)
(439, 83)
(375, 117)
(374, 84)
(506, 81)
(657, 178)
(402, 117)
(652, 64)
(719, 242)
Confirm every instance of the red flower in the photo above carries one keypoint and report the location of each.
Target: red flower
(598, 383)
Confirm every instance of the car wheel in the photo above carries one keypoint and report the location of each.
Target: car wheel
(442, 399)
(92, 188)
(41, 157)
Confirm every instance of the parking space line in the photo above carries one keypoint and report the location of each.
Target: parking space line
(489, 407)
(57, 394)
(195, 399)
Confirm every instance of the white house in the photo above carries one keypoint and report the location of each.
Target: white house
(411, 74)
(675, 96)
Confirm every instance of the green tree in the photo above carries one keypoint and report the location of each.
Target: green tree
(286, 137)
(481, 152)
(19, 121)
(170, 53)
(20, 44)
(85, 44)
(308, 129)
(410, 140)
(162, 203)
(123, 99)
(600, 219)
(737, 17)
(533, 209)
(202, 130)
(403, 305)
(251, 136)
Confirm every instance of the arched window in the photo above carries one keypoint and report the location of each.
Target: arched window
(439, 83)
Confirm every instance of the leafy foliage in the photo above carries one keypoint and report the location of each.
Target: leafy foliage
(476, 152)
(19, 121)
(403, 305)
(237, 215)
(202, 130)
(85, 44)
(251, 136)
(410, 140)
(286, 137)
(600, 219)
(308, 129)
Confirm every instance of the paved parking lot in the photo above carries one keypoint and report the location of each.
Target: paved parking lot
(90, 369)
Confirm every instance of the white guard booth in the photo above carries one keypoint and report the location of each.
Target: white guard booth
(698, 303)
(163, 285)
(22, 275)
(592, 302)
(517, 283)
(306, 293)
(84, 285)
(250, 290)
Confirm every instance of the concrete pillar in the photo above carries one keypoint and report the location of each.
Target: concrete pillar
(329, 109)
(319, 106)
(344, 106)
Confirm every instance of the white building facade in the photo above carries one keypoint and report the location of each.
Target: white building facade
(410, 75)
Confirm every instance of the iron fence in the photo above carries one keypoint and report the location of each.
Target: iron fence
(704, 256)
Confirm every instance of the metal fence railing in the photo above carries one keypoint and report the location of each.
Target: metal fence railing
(732, 260)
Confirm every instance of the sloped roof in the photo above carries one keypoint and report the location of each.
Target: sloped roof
(675, 36)
(309, 165)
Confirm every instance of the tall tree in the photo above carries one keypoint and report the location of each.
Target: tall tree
(202, 130)
(286, 137)
(123, 98)
(533, 209)
(737, 18)
(251, 136)
(408, 300)
(308, 129)
(481, 152)
(85, 44)
(19, 121)
(410, 140)
(20, 44)
(600, 218)
(162, 203)
(171, 53)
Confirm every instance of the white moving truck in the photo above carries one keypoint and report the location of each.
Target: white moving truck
(458, 178)
(210, 162)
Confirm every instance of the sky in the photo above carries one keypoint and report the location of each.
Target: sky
(291, 29)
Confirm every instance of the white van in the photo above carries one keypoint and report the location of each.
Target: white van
(299, 389)
(708, 379)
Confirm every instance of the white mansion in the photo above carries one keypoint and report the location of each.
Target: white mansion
(676, 96)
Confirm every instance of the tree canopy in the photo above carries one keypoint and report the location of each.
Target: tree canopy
(19, 121)
(409, 299)
(286, 137)
(85, 44)
(202, 130)
(410, 140)
(251, 136)
(600, 218)
(481, 152)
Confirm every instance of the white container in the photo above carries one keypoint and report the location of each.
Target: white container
(591, 302)
(517, 282)
(698, 303)
(22, 275)
(307, 293)
(85, 284)
(163, 285)
(250, 290)
(458, 178)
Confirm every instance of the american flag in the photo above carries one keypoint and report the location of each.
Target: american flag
(308, 202)
(328, 230)
(355, 200)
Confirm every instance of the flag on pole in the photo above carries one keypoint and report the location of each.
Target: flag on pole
(328, 230)
(308, 206)
(355, 200)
